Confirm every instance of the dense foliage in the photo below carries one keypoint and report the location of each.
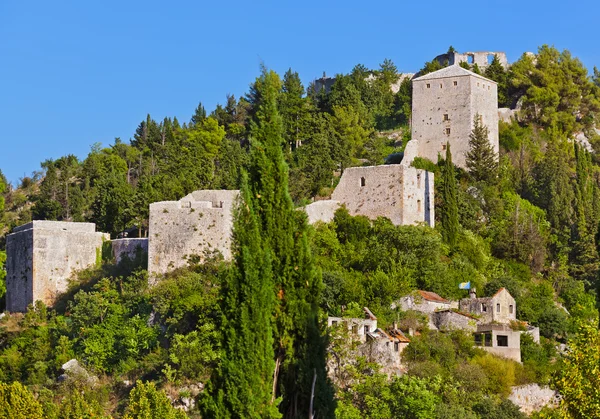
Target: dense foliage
(247, 338)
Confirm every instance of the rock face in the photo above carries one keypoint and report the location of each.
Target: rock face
(444, 106)
(42, 256)
(532, 398)
(198, 225)
(74, 371)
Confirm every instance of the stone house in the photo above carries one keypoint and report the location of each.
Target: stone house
(42, 256)
(445, 103)
(425, 302)
(359, 327)
(399, 192)
(500, 308)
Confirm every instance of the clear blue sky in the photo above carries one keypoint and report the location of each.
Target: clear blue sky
(73, 73)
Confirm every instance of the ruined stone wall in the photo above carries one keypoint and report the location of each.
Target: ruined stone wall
(481, 58)
(481, 307)
(197, 226)
(443, 111)
(42, 256)
(402, 194)
(532, 398)
(321, 211)
(129, 248)
(449, 320)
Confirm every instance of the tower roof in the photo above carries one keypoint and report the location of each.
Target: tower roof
(451, 71)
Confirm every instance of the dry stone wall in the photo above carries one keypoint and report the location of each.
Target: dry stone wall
(197, 226)
(129, 248)
(42, 256)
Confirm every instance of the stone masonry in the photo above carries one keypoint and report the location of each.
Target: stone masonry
(198, 225)
(42, 256)
(129, 248)
(481, 58)
(401, 193)
(444, 106)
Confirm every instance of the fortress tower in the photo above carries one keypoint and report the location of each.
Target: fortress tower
(444, 106)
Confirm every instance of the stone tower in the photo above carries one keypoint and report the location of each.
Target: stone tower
(444, 106)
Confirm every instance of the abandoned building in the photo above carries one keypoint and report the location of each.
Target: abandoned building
(376, 345)
(197, 226)
(491, 320)
(444, 107)
(42, 255)
(481, 58)
(399, 192)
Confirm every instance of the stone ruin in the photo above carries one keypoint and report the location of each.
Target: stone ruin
(41, 257)
(481, 58)
(197, 226)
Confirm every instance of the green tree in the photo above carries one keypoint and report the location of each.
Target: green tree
(578, 378)
(449, 209)
(481, 159)
(496, 71)
(147, 402)
(17, 402)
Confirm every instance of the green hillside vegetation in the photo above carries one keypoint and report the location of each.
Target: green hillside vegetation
(248, 338)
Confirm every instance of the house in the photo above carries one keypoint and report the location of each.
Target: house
(500, 308)
(425, 302)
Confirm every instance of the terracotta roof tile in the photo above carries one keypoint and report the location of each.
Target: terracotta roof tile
(432, 296)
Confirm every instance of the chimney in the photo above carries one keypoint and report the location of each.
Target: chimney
(472, 293)
(395, 326)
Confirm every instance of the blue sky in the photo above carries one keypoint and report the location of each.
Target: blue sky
(73, 73)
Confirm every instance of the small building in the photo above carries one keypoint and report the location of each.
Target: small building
(41, 256)
(500, 308)
(447, 320)
(425, 302)
(193, 229)
(359, 328)
(499, 339)
(445, 103)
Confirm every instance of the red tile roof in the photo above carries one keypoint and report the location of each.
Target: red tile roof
(498, 292)
(432, 296)
(399, 335)
(370, 315)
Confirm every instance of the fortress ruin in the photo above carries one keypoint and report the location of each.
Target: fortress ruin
(444, 107)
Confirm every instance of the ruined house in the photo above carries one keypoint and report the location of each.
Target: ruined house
(444, 107)
(399, 192)
(375, 344)
(42, 256)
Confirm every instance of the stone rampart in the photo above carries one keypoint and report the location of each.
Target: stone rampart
(42, 256)
(194, 228)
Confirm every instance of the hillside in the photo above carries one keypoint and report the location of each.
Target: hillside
(248, 337)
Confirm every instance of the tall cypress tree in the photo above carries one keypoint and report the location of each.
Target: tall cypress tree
(449, 208)
(270, 300)
(299, 352)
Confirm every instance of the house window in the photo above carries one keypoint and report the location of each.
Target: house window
(502, 340)
(456, 83)
(418, 205)
(447, 131)
(428, 85)
(446, 118)
(510, 309)
(488, 339)
(355, 328)
(478, 339)
(443, 146)
(418, 180)
(334, 323)
(497, 308)
(483, 308)
(396, 346)
(366, 329)
(363, 182)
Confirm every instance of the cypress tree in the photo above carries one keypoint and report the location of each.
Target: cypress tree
(481, 160)
(449, 208)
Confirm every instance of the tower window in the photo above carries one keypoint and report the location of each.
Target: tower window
(441, 85)
(470, 59)
(428, 85)
(418, 180)
(446, 118)
(443, 146)
(510, 309)
(363, 182)
(456, 83)
(419, 205)
(447, 131)
(497, 308)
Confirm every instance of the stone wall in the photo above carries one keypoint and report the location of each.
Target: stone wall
(129, 248)
(321, 211)
(395, 191)
(450, 320)
(481, 58)
(196, 227)
(42, 256)
(532, 398)
(444, 106)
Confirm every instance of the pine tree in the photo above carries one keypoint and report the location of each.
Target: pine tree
(481, 159)
(449, 208)
(199, 115)
(293, 108)
(495, 71)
